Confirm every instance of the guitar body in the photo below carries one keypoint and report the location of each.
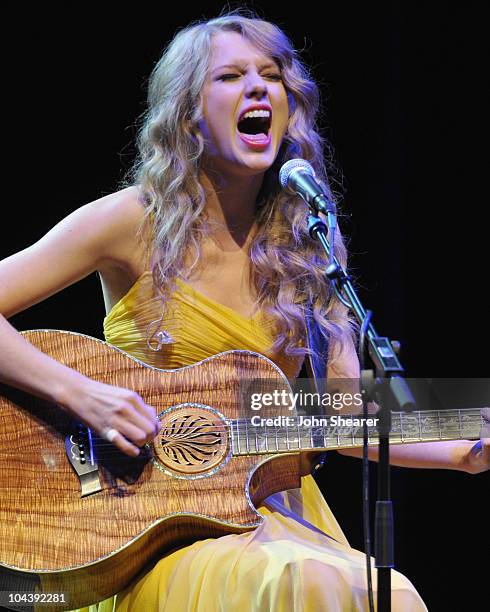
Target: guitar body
(182, 488)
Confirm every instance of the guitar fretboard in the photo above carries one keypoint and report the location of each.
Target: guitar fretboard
(296, 433)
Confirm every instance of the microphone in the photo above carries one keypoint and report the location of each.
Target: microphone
(298, 175)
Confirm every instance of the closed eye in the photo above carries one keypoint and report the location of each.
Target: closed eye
(227, 77)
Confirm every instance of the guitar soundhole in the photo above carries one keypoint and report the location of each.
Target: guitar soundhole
(191, 440)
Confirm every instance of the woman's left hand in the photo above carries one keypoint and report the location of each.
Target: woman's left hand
(477, 459)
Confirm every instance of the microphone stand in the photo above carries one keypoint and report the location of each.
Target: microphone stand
(387, 378)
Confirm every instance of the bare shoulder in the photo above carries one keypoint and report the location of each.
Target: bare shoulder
(121, 215)
(101, 235)
(124, 207)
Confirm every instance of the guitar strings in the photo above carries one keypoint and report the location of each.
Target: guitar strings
(409, 418)
(282, 433)
(474, 416)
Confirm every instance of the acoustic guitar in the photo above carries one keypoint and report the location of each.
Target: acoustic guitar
(80, 518)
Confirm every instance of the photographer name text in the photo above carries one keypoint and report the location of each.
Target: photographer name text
(313, 421)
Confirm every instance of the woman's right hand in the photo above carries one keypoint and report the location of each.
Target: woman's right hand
(103, 407)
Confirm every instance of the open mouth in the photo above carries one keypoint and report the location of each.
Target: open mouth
(255, 124)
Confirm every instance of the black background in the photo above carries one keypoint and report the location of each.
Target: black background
(402, 85)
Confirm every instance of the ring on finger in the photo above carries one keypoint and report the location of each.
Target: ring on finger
(109, 433)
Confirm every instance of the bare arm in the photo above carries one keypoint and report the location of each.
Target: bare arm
(450, 455)
(463, 455)
(93, 236)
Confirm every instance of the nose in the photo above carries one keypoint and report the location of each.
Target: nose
(256, 86)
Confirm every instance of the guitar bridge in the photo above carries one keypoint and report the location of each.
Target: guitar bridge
(80, 452)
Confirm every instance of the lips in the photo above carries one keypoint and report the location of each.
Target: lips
(255, 129)
(256, 142)
(254, 107)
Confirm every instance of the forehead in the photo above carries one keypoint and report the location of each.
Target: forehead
(233, 48)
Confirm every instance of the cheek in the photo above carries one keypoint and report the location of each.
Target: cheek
(282, 121)
(206, 123)
(213, 126)
(215, 134)
(216, 138)
(285, 109)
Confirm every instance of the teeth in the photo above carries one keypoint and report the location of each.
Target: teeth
(256, 113)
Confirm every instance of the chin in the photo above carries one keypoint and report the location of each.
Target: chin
(243, 163)
(253, 168)
(257, 161)
(240, 166)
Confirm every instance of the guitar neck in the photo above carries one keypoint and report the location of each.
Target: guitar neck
(260, 435)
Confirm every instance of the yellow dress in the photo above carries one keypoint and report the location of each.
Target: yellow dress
(298, 559)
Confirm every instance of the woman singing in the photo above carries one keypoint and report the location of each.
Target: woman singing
(199, 253)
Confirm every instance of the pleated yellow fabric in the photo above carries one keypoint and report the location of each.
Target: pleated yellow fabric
(298, 559)
(200, 326)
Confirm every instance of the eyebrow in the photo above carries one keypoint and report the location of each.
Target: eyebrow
(239, 66)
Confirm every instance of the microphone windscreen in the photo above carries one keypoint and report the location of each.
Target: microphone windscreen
(290, 166)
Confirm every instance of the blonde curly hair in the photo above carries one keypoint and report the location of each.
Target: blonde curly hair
(287, 265)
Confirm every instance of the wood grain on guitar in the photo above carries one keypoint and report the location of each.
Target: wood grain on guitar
(79, 517)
